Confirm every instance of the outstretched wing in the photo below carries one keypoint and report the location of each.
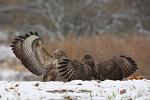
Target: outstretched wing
(108, 70)
(74, 70)
(127, 65)
(69, 69)
(117, 68)
(30, 50)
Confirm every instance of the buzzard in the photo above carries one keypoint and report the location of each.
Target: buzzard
(33, 55)
(57, 66)
(76, 70)
(116, 68)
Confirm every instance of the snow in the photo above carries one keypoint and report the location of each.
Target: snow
(77, 89)
(12, 75)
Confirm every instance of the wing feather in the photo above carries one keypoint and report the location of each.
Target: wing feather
(31, 55)
(70, 69)
(75, 70)
(128, 66)
(117, 68)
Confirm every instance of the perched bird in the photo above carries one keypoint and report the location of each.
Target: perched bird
(33, 55)
(76, 70)
(115, 68)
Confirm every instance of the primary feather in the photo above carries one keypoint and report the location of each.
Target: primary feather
(76, 70)
(116, 68)
(33, 55)
(23, 48)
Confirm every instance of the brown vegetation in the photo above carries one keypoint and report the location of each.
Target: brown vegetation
(105, 46)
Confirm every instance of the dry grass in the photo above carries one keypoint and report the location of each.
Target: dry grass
(103, 47)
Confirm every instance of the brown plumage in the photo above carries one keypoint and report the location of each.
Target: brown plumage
(115, 68)
(33, 55)
(75, 70)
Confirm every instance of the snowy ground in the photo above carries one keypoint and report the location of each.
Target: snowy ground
(12, 75)
(15, 89)
(76, 90)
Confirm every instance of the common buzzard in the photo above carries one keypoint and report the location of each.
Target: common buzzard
(33, 55)
(115, 68)
(76, 70)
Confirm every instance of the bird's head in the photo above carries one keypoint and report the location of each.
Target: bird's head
(88, 59)
(58, 54)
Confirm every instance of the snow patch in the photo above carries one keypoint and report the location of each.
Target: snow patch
(12, 75)
(77, 89)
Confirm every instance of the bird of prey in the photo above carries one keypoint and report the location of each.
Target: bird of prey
(76, 70)
(115, 68)
(33, 55)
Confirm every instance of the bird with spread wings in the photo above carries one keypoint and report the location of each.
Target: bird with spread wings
(76, 70)
(116, 68)
(33, 55)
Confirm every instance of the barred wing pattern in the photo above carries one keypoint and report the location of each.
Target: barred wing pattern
(30, 50)
(116, 68)
(128, 66)
(75, 70)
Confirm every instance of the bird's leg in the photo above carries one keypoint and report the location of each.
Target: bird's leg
(50, 76)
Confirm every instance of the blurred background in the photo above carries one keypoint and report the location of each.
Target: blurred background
(103, 28)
